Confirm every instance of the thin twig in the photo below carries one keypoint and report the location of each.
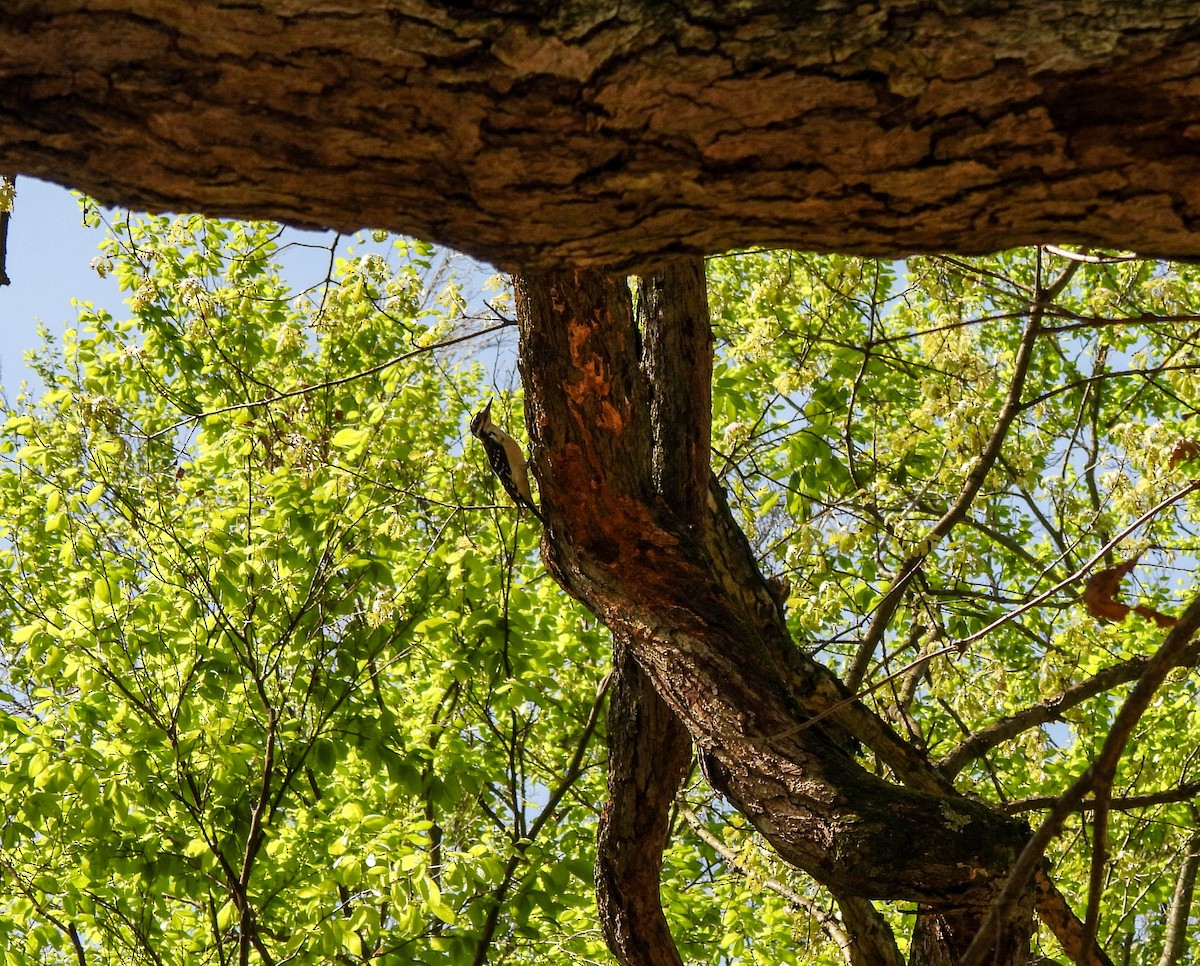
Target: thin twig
(266, 401)
(573, 771)
(960, 645)
(1184, 793)
(1050, 709)
(890, 602)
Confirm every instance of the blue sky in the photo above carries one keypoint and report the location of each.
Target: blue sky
(49, 251)
(49, 261)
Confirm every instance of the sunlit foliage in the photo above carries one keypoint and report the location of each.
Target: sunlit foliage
(284, 680)
(856, 399)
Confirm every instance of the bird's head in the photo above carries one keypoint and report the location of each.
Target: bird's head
(481, 419)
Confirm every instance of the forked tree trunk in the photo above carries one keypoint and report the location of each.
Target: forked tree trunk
(639, 531)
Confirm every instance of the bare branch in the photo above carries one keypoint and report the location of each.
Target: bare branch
(1088, 258)
(1079, 574)
(1052, 708)
(1182, 793)
(1097, 775)
(1097, 865)
(1054, 910)
(888, 605)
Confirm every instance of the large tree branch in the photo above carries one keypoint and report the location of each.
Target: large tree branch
(678, 341)
(1054, 910)
(872, 942)
(626, 134)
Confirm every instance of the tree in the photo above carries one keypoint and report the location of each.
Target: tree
(544, 135)
(281, 690)
(556, 142)
(654, 548)
(272, 693)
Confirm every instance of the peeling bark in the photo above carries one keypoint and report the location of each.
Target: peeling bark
(701, 622)
(622, 135)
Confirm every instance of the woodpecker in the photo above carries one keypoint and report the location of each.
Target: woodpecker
(506, 459)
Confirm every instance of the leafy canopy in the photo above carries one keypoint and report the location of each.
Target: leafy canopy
(285, 682)
(857, 400)
(281, 677)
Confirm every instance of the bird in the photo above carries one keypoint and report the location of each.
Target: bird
(506, 459)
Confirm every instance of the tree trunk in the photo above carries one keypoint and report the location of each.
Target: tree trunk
(622, 134)
(649, 749)
(676, 579)
(649, 752)
(1174, 942)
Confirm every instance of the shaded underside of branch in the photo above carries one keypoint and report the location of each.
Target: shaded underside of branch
(624, 135)
(1060, 919)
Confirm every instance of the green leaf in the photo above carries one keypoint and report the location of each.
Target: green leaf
(432, 896)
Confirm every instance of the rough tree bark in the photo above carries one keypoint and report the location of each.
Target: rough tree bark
(536, 135)
(649, 753)
(649, 749)
(675, 579)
